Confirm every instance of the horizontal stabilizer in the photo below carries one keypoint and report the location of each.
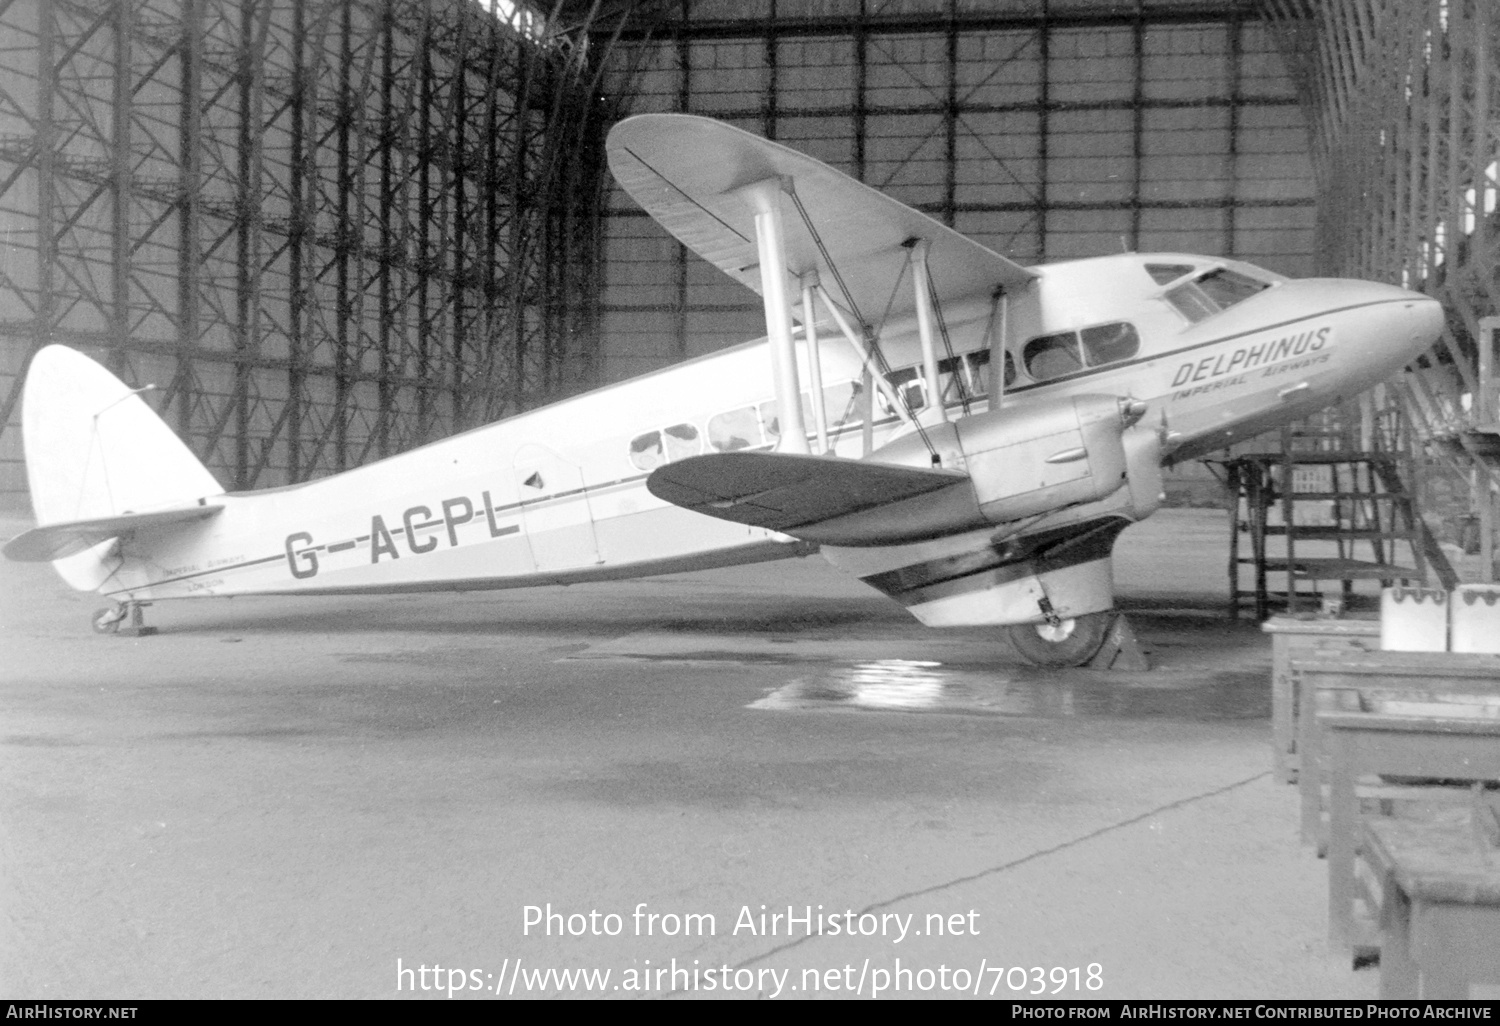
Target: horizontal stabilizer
(58, 541)
(785, 491)
(686, 172)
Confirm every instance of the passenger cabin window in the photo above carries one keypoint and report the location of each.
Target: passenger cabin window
(843, 404)
(1210, 293)
(681, 441)
(770, 421)
(1107, 343)
(982, 370)
(652, 449)
(1052, 356)
(909, 388)
(752, 426)
(748, 427)
(646, 451)
(967, 374)
(737, 429)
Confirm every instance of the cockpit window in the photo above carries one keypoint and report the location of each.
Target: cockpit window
(1228, 287)
(1166, 274)
(1213, 292)
(1107, 343)
(1052, 356)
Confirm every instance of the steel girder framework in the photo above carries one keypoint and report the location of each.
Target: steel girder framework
(328, 230)
(1403, 97)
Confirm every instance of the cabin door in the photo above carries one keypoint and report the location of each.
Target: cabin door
(555, 510)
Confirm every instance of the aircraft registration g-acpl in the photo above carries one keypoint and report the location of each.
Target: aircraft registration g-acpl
(967, 435)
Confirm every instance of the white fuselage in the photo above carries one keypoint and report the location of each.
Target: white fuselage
(558, 494)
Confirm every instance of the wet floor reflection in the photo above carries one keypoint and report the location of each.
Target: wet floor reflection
(899, 685)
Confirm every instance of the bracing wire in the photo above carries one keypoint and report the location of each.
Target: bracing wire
(872, 340)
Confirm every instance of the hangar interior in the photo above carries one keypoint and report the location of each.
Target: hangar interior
(328, 231)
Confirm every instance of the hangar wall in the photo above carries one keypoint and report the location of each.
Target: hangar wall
(327, 230)
(1047, 129)
(1404, 102)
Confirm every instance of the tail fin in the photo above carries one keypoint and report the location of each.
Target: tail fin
(94, 451)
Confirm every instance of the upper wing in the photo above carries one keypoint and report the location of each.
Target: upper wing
(58, 541)
(820, 498)
(684, 170)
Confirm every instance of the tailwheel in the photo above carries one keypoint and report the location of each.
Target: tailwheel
(108, 620)
(1071, 642)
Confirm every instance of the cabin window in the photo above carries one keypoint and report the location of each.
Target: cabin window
(737, 429)
(963, 370)
(953, 379)
(1108, 343)
(843, 404)
(971, 370)
(909, 387)
(1052, 356)
(1166, 274)
(681, 441)
(979, 369)
(770, 419)
(979, 363)
(979, 372)
(646, 451)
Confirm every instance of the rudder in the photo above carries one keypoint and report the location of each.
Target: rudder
(95, 449)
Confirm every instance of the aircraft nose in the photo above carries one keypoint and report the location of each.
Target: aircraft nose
(1409, 323)
(1417, 324)
(1425, 317)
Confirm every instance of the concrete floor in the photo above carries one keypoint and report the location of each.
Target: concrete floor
(283, 797)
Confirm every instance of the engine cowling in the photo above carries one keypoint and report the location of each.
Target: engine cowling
(1032, 459)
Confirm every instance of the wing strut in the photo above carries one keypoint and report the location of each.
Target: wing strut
(814, 360)
(865, 356)
(764, 198)
(868, 352)
(921, 285)
(999, 331)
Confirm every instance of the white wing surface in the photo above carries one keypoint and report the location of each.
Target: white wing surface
(685, 172)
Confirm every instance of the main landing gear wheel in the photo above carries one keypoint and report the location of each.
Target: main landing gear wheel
(1070, 642)
(108, 620)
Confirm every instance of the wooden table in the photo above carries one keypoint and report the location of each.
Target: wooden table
(1294, 637)
(1361, 682)
(1440, 907)
(1415, 746)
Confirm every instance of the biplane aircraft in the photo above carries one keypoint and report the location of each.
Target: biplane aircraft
(965, 434)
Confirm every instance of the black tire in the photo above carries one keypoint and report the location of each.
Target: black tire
(1073, 642)
(108, 620)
